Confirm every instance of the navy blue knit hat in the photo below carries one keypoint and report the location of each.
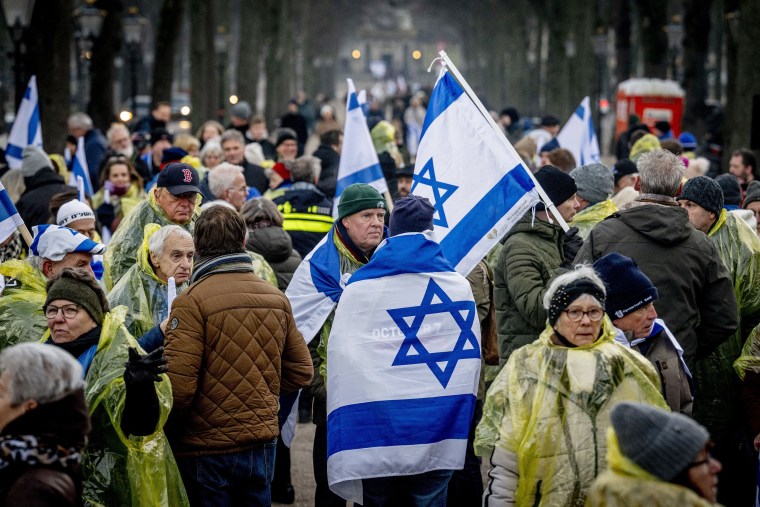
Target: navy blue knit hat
(628, 288)
(732, 191)
(704, 191)
(411, 214)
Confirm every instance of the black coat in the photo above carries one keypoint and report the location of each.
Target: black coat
(34, 203)
(255, 177)
(304, 202)
(275, 245)
(328, 178)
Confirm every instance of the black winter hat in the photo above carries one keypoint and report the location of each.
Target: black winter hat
(628, 288)
(705, 192)
(558, 185)
(411, 214)
(623, 168)
(752, 194)
(732, 190)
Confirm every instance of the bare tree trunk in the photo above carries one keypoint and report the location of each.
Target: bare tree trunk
(104, 50)
(167, 35)
(279, 66)
(654, 15)
(49, 57)
(203, 66)
(623, 39)
(249, 54)
(695, 45)
(747, 81)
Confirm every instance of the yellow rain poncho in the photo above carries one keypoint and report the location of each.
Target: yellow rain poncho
(142, 292)
(125, 243)
(21, 317)
(647, 143)
(586, 219)
(120, 470)
(627, 484)
(550, 407)
(716, 402)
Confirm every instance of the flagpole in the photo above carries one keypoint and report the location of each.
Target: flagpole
(25, 234)
(470, 93)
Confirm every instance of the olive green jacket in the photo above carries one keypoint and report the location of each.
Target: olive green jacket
(531, 257)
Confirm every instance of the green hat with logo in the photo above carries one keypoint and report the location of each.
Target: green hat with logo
(358, 197)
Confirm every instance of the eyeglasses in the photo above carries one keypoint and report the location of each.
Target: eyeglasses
(701, 462)
(594, 315)
(69, 311)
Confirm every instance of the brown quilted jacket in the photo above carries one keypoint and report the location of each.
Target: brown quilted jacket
(232, 347)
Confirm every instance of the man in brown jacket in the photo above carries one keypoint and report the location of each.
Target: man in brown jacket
(232, 347)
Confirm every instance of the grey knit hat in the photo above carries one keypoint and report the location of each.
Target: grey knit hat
(704, 191)
(595, 182)
(660, 442)
(752, 194)
(33, 159)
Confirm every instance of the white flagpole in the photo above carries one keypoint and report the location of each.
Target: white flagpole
(80, 189)
(470, 93)
(171, 294)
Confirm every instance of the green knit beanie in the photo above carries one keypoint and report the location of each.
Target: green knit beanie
(79, 293)
(358, 197)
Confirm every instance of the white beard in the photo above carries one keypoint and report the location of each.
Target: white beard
(127, 152)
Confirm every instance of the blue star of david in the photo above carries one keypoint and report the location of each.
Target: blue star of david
(412, 350)
(441, 191)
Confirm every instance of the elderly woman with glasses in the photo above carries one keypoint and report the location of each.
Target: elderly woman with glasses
(546, 415)
(128, 460)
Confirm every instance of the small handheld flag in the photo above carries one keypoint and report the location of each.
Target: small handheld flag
(10, 220)
(81, 169)
(578, 136)
(26, 128)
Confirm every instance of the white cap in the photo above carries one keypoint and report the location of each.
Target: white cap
(73, 211)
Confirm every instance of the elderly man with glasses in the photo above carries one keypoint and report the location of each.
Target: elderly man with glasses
(174, 200)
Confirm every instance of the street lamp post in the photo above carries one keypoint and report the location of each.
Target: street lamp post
(674, 32)
(90, 21)
(18, 14)
(134, 28)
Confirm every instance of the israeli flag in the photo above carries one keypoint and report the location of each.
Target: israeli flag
(313, 292)
(80, 169)
(26, 128)
(358, 159)
(578, 136)
(470, 174)
(403, 366)
(54, 242)
(10, 220)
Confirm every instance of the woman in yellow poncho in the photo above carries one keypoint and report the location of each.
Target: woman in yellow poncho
(655, 459)
(547, 412)
(128, 461)
(121, 188)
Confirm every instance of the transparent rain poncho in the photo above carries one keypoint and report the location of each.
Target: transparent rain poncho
(586, 219)
(142, 292)
(550, 406)
(125, 244)
(21, 316)
(625, 483)
(121, 470)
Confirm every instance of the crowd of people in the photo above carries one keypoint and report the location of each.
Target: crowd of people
(151, 333)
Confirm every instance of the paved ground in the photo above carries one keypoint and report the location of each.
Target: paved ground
(302, 472)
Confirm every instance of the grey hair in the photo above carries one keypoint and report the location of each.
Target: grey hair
(660, 172)
(220, 178)
(158, 239)
(305, 169)
(211, 147)
(36, 261)
(582, 271)
(113, 129)
(40, 372)
(231, 135)
(80, 121)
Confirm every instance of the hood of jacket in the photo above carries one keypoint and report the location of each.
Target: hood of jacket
(273, 243)
(666, 225)
(44, 176)
(530, 223)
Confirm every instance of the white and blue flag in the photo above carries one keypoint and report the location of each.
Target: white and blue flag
(10, 220)
(403, 366)
(578, 136)
(358, 158)
(80, 169)
(26, 129)
(54, 242)
(474, 179)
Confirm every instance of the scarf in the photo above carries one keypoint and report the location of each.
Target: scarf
(32, 451)
(78, 347)
(229, 263)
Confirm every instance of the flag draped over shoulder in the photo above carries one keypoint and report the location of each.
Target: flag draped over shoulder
(578, 136)
(404, 360)
(358, 159)
(474, 178)
(26, 128)
(81, 169)
(10, 220)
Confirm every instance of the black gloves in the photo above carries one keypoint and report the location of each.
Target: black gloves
(571, 245)
(141, 408)
(141, 369)
(106, 214)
